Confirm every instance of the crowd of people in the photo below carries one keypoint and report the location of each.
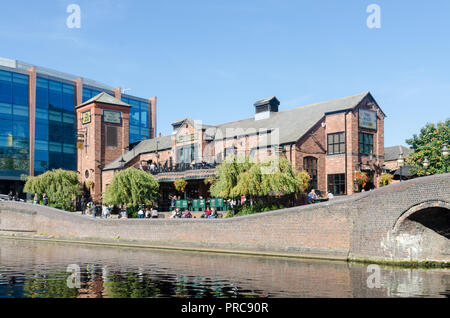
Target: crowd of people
(207, 214)
(14, 196)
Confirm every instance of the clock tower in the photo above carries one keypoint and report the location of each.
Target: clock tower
(103, 136)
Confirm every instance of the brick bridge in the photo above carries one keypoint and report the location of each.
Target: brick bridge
(407, 221)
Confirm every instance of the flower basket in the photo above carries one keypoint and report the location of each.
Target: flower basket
(361, 178)
(180, 185)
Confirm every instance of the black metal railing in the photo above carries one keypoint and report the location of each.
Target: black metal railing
(180, 167)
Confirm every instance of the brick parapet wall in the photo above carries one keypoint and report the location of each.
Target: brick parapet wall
(355, 227)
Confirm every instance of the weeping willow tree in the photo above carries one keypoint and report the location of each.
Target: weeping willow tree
(228, 175)
(61, 187)
(279, 178)
(274, 176)
(131, 187)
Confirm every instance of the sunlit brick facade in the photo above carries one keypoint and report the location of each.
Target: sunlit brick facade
(330, 140)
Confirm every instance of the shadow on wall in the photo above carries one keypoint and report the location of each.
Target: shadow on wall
(423, 232)
(436, 219)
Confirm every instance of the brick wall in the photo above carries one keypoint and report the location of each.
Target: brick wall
(95, 152)
(355, 227)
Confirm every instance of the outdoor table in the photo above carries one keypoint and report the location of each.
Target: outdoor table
(319, 200)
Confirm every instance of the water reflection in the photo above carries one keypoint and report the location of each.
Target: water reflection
(39, 269)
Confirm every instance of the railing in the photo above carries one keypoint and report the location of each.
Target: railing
(181, 167)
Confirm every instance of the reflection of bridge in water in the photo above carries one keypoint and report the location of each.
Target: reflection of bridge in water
(107, 271)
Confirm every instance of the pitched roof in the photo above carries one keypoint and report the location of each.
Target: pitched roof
(292, 123)
(392, 153)
(145, 146)
(104, 98)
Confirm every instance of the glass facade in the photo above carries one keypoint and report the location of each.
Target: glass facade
(55, 126)
(55, 123)
(14, 124)
(139, 129)
(89, 93)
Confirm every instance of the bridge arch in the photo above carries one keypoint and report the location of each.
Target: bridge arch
(423, 231)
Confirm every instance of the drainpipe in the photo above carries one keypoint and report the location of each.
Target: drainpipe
(290, 154)
(346, 148)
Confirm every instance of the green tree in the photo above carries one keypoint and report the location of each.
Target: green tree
(61, 187)
(429, 144)
(273, 176)
(131, 187)
(227, 176)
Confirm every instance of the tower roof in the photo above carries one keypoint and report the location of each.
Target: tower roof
(104, 98)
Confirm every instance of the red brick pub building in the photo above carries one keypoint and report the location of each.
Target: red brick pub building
(330, 140)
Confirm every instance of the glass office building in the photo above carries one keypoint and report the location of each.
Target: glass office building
(38, 124)
(14, 125)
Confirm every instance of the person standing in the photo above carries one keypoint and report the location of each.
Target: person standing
(83, 204)
(154, 213)
(105, 211)
(172, 202)
(124, 212)
(36, 199)
(141, 213)
(45, 199)
(10, 195)
(94, 209)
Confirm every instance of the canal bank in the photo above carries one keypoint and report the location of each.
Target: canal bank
(402, 223)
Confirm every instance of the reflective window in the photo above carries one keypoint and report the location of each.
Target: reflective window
(89, 93)
(55, 126)
(144, 115)
(5, 87)
(336, 183)
(365, 143)
(310, 166)
(14, 126)
(139, 117)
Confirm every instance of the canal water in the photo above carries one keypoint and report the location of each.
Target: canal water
(48, 269)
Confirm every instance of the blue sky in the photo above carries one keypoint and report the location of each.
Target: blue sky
(212, 59)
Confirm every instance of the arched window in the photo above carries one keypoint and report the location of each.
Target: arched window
(310, 166)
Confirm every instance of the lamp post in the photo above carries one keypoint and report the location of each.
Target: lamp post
(445, 155)
(400, 162)
(122, 163)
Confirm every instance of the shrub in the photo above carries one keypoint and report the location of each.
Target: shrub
(385, 179)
